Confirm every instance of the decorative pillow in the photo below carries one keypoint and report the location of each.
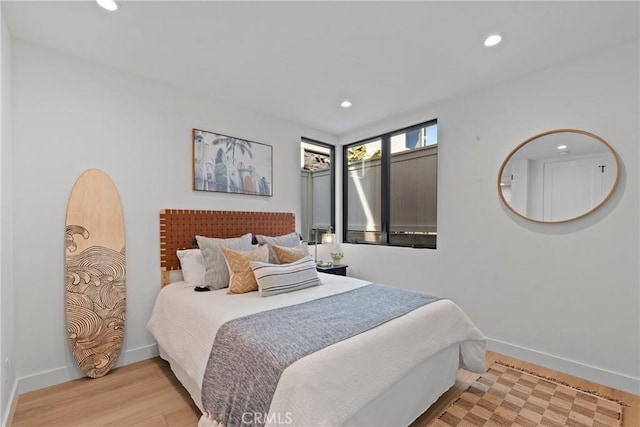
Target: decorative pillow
(276, 279)
(288, 240)
(216, 274)
(238, 262)
(192, 266)
(286, 255)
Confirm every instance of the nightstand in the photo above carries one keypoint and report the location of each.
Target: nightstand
(337, 269)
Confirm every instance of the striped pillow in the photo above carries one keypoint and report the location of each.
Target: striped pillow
(276, 279)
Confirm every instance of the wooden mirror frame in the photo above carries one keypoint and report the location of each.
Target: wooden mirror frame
(535, 137)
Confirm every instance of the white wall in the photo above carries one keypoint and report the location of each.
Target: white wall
(563, 295)
(7, 371)
(71, 115)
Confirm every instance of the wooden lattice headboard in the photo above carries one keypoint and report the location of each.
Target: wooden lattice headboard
(178, 227)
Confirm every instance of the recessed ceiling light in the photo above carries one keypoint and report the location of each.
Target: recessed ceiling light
(562, 147)
(492, 40)
(346, 104)
(108, 4)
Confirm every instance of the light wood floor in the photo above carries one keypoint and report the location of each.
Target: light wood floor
(147, 394)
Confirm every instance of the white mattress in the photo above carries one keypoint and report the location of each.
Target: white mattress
(336, 385)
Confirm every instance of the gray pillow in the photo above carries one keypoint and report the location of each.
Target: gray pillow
(290, 240)
(216, 274)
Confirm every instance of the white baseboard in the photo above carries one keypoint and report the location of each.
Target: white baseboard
(13, 401)
(597, 375)
(138, 354)
(68, 373)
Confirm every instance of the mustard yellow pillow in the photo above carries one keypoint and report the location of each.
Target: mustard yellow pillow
(241, 279)
(287, 255)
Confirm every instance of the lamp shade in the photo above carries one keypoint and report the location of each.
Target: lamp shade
(328, 238)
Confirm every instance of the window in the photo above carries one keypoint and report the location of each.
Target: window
(318, 183)
(390, 188)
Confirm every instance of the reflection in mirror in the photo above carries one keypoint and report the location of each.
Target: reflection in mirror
(318, 182)
(558, 176)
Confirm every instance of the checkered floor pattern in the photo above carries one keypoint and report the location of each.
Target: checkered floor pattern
(504, 396)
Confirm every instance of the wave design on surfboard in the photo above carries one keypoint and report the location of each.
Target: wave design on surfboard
(96, 303)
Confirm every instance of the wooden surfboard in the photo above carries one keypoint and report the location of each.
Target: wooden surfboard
(95, 292)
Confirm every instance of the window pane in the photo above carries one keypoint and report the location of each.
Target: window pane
(364, 192)
(316, 175)
(413, 179)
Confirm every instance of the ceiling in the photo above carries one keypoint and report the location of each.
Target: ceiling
(298, 60)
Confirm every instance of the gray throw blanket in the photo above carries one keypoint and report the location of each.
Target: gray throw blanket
(250, 353)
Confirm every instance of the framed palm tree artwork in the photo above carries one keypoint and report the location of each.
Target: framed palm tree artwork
(231, 165)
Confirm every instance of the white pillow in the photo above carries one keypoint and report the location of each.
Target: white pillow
(192, 265)
(276, 279)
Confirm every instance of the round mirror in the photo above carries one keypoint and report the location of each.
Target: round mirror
(558, 176)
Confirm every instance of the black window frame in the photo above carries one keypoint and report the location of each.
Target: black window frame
(385, 185)
(332, 156)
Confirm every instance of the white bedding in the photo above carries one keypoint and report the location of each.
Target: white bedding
(327, 387)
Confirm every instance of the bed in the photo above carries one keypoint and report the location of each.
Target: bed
(387, 375)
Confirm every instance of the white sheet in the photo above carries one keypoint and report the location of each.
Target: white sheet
(185, 324)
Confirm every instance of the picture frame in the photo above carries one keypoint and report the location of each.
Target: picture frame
(223, 163)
